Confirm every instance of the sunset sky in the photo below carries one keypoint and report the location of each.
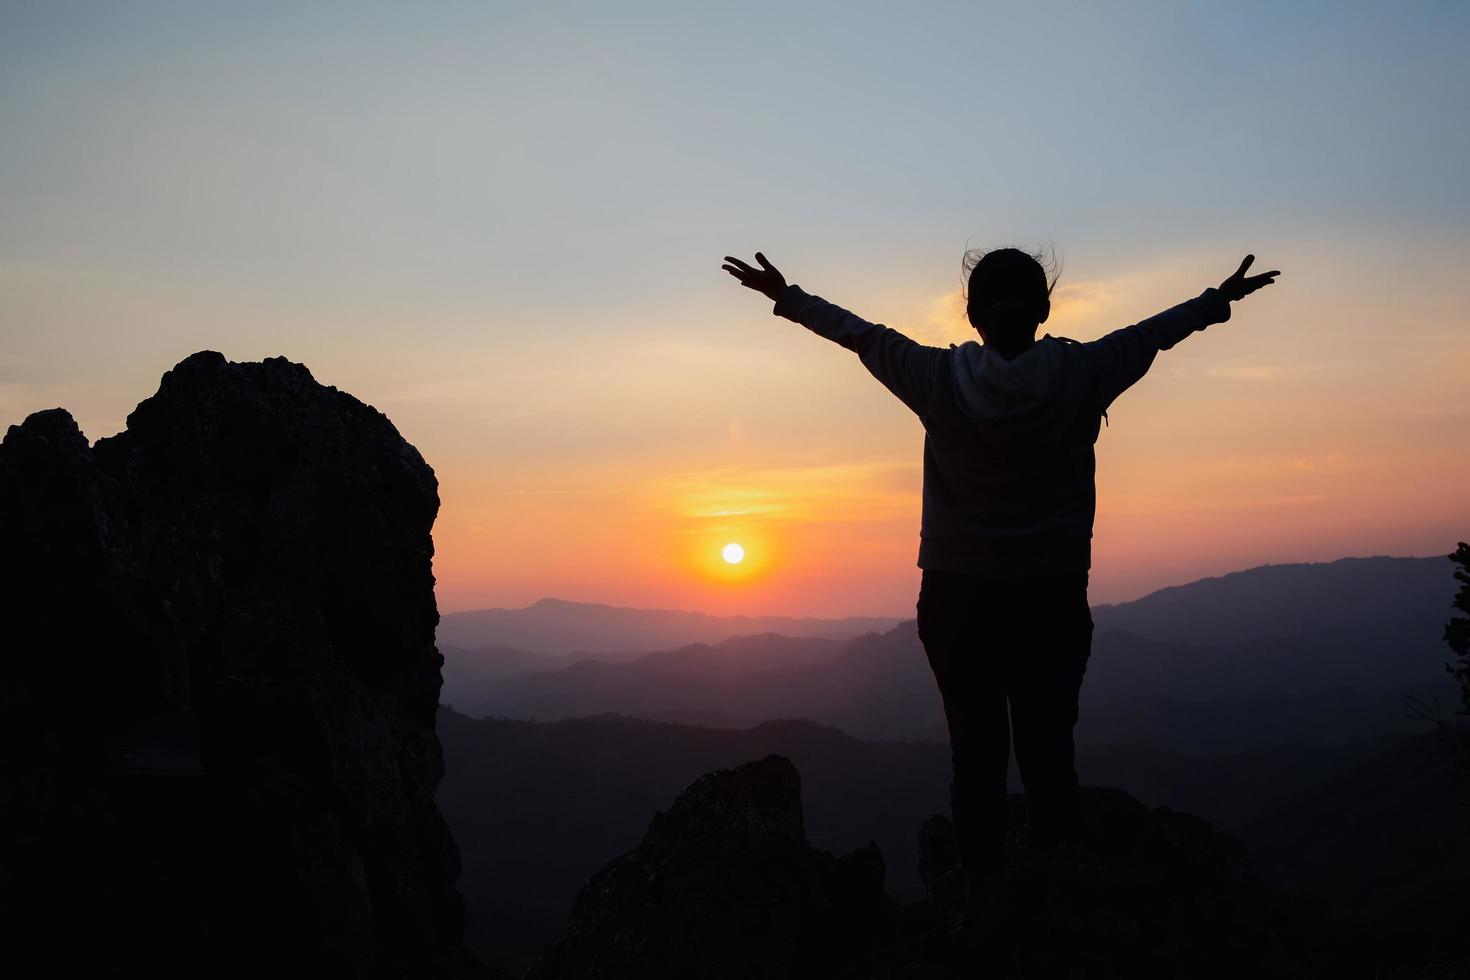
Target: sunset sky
(502, 224)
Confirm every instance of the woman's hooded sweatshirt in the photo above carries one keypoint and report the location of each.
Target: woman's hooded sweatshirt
(1009, 471)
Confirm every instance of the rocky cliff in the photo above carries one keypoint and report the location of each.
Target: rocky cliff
(725, 885)
(217, 746)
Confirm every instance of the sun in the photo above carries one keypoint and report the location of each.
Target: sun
(733, 553)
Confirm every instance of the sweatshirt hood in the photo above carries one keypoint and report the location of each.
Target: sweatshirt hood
(991, 388)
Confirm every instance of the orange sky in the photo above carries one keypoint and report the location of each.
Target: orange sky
(502, 225)
(1318, 423)
(1314, 425)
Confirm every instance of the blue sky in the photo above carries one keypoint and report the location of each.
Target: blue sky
(587, 153)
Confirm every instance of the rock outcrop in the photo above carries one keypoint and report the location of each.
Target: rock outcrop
(1148, 893)
(218, 687)
(725, 885)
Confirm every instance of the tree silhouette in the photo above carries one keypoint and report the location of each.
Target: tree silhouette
(1457, 630)
(1455, 733)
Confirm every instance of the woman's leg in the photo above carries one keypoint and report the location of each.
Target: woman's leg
(1044, 685)
(952, 608)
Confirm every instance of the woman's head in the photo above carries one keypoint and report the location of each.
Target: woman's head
(1007, 295)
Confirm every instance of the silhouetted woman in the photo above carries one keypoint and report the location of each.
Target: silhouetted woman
(1006, 537)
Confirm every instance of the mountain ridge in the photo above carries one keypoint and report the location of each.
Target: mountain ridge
(1342, 587)
(1109, 614)
(1334, 675)
(561, 627)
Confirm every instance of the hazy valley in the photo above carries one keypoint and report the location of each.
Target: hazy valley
(1250, 699)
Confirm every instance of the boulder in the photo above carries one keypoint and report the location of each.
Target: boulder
(1146, 893)
(218, 749)
(725, 884)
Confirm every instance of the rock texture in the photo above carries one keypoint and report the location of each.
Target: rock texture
(217, 746)
(725, 884)
(1149, 893)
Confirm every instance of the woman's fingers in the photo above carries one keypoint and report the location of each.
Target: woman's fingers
(748, 277)
(1254, 283)
(761, 280)
(1239, 284)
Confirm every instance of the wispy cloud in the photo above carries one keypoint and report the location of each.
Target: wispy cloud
(947, 323)
(1080, 300)
(19, 400)
(1308, 464)
(845, 492)
(1256, 371)
(1161, 506)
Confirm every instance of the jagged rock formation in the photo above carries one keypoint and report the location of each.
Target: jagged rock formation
(217, 696)
(725, 884)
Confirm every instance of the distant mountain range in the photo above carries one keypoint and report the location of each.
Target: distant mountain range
(1372, 839)
(559, 627)
(538, 807)
(1321, 653)
(1269, 701)
(1309, 599)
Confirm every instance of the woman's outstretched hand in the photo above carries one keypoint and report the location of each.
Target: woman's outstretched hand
(1240, 285)
(767, 279)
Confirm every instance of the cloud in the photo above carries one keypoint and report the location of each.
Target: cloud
(1258, 373)
(19, 400)
(1157, 507)
(1246, 371)
(946, 322)
(1309, 464)
(843, 492)
(1080, 300)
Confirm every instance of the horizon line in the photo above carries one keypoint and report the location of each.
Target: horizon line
(910, 615)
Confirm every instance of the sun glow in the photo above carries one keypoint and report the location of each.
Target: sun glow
(733, 553)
